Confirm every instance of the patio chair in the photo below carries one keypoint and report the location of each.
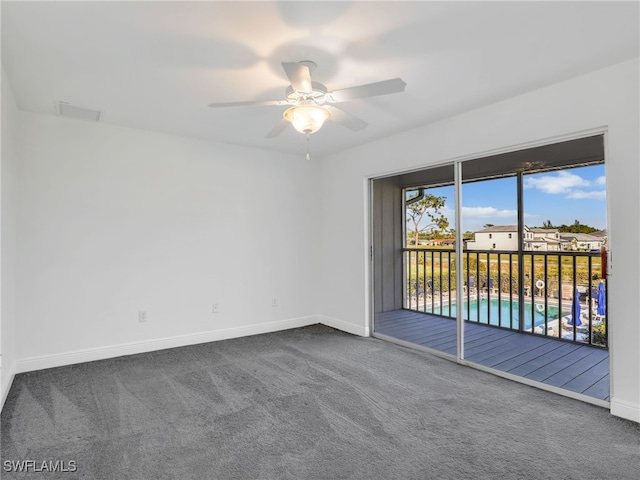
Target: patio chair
(471, 287)
(490, 287)
(431, 288)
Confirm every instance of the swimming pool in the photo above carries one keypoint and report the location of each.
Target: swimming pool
(496, 312)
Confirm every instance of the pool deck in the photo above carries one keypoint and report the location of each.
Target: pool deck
(578, 368)
(439, 304)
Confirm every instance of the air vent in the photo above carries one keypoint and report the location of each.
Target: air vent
(66, 110)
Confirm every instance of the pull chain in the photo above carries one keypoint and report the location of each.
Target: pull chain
(308, 156)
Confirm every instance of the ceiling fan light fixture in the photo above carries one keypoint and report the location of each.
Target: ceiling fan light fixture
(307, 118)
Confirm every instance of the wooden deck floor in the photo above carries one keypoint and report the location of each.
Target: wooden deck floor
(578, 368)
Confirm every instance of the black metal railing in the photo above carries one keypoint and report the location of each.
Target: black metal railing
(562, 294)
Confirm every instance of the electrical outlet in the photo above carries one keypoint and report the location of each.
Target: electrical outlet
(215, 308)
(142, 316)
(274, 302)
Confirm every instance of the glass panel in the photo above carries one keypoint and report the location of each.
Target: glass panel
(565, 213)
(430, 249)
(490, 221)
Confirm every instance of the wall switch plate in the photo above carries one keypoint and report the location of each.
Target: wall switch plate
(142, 316)
(215, 308)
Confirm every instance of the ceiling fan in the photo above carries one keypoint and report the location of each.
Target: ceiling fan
(310, 104)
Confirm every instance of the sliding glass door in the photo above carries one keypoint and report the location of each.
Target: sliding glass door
(495, 272)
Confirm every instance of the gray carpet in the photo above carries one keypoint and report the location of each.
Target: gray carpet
(308, 403)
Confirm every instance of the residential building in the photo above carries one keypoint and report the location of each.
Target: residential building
(582, 241)
(505, 237)
(601, 234)
(497, 237)
(439, 242)
(544, 240)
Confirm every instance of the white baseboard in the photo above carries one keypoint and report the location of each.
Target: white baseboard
(8, 376)
(623, 409)
(101, 353)
(359, 330)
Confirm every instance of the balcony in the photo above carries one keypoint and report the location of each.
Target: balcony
(521, 325)
(572, 366)
(560, 295)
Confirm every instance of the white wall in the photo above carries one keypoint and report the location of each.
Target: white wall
(606, 98)
(10, 157)
(112, 221)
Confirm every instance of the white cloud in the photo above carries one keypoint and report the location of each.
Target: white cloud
(563, 182)
(474, 218)
(601, 181)
(595, 194)
(487, 212)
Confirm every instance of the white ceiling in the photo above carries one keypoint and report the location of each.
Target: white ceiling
(157, 65)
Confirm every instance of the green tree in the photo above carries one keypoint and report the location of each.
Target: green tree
(576, 227)
(429, 207)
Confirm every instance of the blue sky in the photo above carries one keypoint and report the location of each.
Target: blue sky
(562, 197)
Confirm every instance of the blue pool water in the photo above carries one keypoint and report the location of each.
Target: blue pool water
(499, 313)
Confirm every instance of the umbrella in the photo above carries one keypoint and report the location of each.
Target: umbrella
(575, 310)
(601, 299)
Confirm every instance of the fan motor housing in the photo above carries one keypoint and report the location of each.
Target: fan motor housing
(317, 94)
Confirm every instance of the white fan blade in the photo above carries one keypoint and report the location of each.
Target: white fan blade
(299, 76)
(352, 122)
(385, 87)
(278, 129)
(249, 104)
